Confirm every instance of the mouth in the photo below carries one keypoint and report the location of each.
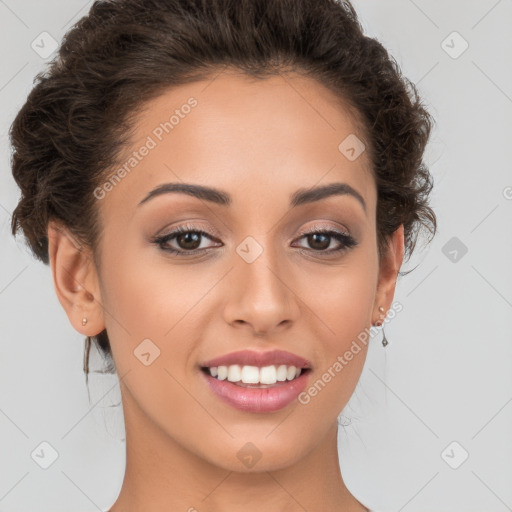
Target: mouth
(248, 376)
(257, 382)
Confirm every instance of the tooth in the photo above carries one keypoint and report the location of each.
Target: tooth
(291, 372)
(222, 372)
(255, 375)
(250, 375)
(234, 373)
(281, 373)
(268, 375)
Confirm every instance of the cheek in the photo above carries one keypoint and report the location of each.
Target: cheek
(343, 344)
(342, 302)
(137, 291)
(146, 297)
(129, 302)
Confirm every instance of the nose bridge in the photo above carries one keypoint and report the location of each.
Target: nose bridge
(260, 293)
(260, 271)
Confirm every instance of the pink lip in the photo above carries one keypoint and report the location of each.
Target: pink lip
(254, 358)
(257, 399)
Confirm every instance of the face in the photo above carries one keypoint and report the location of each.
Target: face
(263, 265)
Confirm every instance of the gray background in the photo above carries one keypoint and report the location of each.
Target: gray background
(446, 375)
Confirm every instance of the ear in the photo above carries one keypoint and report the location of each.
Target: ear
(75, 280)
(388, 273)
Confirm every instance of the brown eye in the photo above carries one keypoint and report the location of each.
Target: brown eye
(319, 241)
(186, 241)
(190, 240)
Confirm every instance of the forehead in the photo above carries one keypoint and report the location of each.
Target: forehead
(237, 133)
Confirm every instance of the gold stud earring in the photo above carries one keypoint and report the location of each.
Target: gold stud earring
(379, 322)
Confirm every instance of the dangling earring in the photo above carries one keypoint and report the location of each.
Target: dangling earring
(384, 340)
(380, 322)
(84, 320)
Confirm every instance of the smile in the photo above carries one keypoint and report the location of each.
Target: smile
(253, 375)
(254, 381)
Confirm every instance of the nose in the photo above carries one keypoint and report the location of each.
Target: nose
(261, 297)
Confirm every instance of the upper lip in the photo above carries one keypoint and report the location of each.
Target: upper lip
(257, 358)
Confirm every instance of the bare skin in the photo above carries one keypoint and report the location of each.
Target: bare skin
(259, 141)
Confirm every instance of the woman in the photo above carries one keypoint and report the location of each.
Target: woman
(225, 192)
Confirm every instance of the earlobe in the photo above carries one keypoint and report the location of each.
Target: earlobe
(75, 280)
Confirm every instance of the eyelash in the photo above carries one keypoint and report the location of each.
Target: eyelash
(346, 240)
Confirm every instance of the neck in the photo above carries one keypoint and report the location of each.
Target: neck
(161, 474)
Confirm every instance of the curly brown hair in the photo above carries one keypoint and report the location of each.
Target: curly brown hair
(79, 115)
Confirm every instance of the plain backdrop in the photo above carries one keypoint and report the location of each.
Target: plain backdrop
(428, 427)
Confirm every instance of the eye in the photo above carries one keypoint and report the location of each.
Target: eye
(321, 239)
(188, 241)
(187, 238)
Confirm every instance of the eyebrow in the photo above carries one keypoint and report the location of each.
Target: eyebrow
(300, 197)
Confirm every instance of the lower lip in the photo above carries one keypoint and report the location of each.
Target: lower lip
(258, 399)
